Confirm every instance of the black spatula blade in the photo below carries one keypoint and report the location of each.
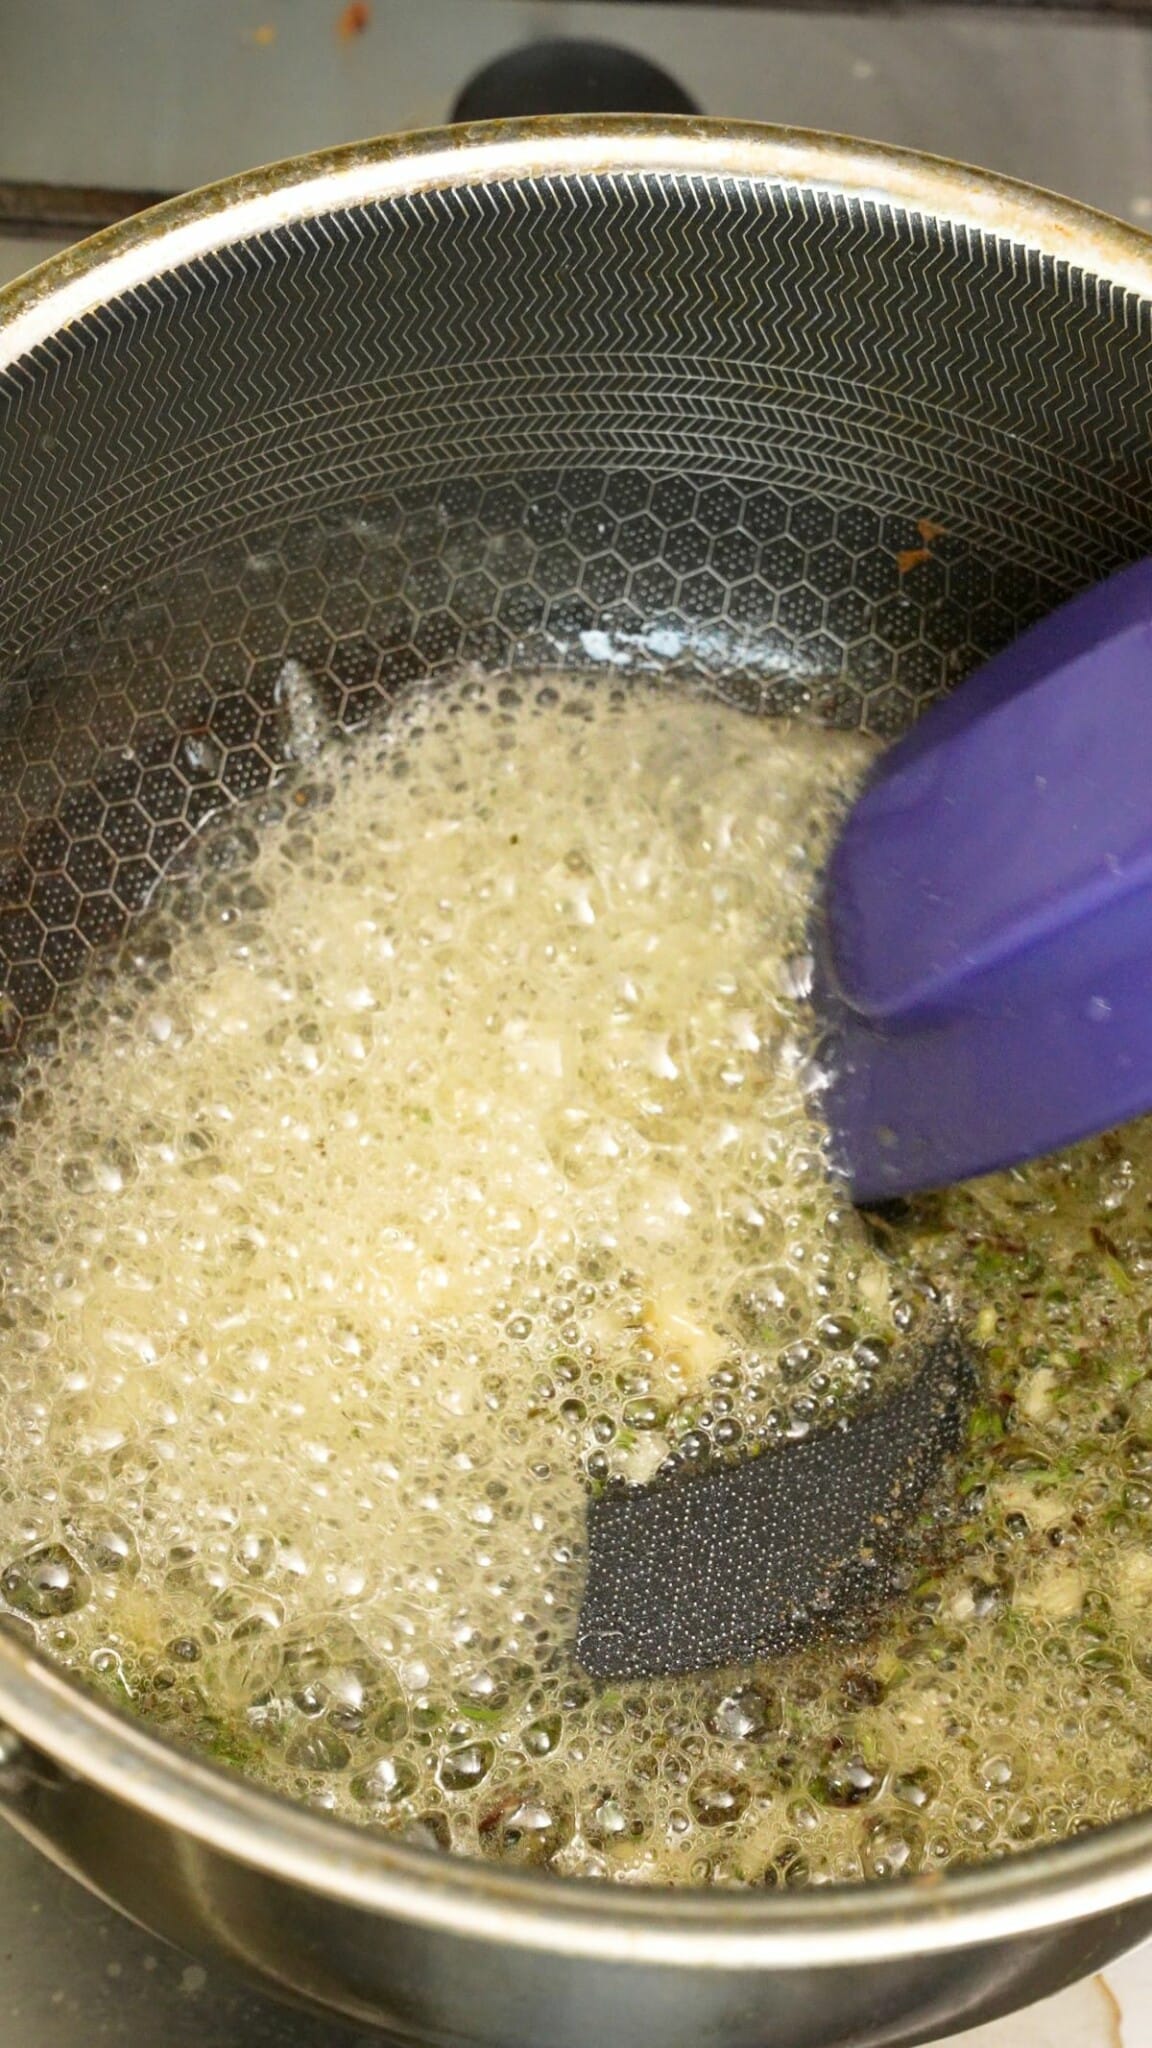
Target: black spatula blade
(755, 1559)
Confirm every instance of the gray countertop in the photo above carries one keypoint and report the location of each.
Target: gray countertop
(165, 94)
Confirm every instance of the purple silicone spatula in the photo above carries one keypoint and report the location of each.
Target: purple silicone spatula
(986, 952)
(985, 966)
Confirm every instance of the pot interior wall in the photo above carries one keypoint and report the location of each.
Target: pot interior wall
(819, 454)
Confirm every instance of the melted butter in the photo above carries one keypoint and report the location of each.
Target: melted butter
(449, 1145)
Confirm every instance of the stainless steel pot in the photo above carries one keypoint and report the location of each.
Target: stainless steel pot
(817, 423)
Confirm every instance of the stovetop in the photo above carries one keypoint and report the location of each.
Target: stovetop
(164, 94)
(74, 1974)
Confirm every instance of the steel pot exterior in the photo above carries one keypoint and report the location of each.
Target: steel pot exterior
(444, 1984)
(769, 303)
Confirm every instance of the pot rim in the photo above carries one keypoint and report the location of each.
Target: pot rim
(148, 245)
(840, 1924)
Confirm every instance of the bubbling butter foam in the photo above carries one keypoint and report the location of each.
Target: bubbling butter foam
(447, 1146)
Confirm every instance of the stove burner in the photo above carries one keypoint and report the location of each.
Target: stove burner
(564, 75)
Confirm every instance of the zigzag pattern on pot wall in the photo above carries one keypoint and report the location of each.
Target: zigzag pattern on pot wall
(817, 453)
(655, 321)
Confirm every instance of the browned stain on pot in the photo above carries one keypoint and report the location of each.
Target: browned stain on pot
(910, 558)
